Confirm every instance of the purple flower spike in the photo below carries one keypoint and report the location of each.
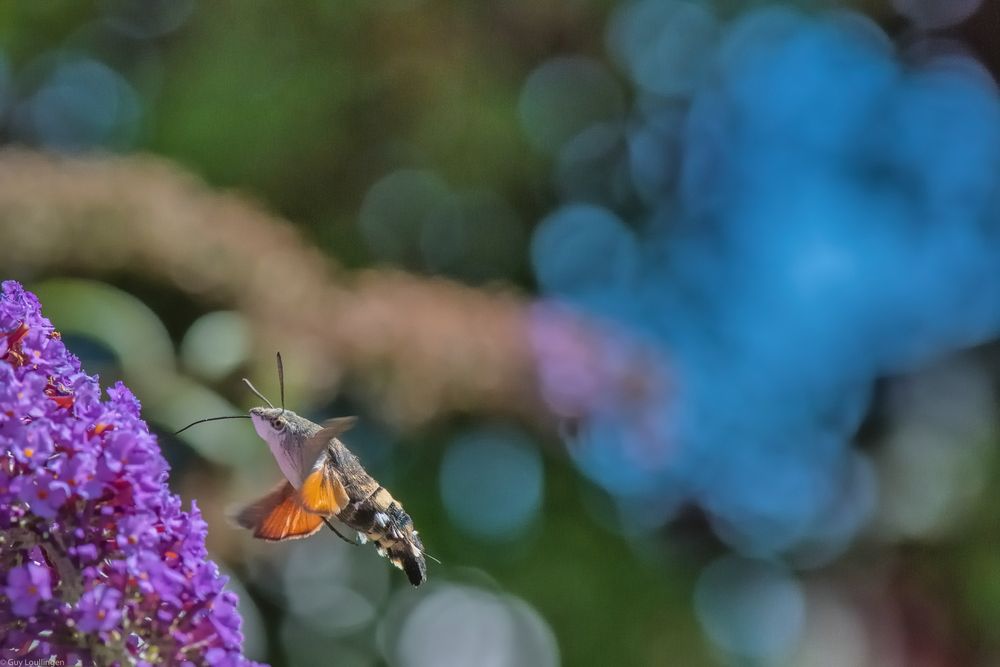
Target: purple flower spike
(94, 549)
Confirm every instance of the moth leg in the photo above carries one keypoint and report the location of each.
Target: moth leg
(339, 534)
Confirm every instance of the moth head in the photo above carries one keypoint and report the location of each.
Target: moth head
(276, 423)
(270, 422)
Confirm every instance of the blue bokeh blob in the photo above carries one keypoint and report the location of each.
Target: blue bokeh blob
(804, 210)
(752, 609)
(492, 482)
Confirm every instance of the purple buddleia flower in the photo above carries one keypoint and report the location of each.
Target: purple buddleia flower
(43, 493)
(98, 562)
(99, 609)
(27, 585)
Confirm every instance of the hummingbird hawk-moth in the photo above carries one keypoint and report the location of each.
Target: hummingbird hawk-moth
(324, 480)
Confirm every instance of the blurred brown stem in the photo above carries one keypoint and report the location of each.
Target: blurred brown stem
(418, 346)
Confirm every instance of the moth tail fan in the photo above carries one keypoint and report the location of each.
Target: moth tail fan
(408, 556)
(415, 568)
(410, 561)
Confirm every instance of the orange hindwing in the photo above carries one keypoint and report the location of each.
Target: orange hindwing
(279, 516)
(322, 492)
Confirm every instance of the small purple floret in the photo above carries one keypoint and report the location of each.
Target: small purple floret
(99, 609)
(27, 585)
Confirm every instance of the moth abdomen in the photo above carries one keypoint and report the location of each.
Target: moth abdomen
(382, 520)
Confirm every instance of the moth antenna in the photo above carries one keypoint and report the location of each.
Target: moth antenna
(210, 419)
(259, 395)
(281, 381)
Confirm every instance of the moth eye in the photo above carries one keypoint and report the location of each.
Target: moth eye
(277, 424)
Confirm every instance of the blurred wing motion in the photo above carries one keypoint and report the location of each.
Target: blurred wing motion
(305, 457)
(279, 516)
(334, 428)
(322, 491)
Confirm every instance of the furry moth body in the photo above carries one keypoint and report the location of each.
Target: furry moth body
(323, 480)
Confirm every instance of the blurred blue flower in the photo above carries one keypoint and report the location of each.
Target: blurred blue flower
(813, 212)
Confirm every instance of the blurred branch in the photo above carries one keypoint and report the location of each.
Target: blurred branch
(417, 346)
